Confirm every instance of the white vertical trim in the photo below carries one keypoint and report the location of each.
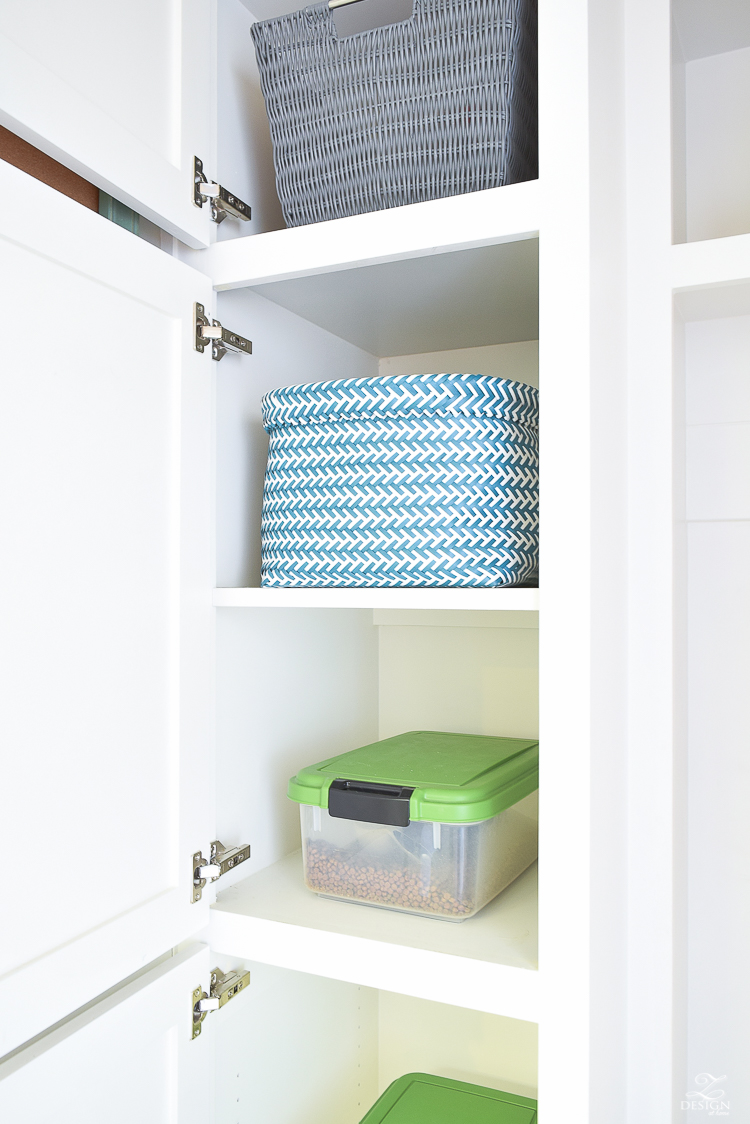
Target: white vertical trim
(651, 613)
(564, 658)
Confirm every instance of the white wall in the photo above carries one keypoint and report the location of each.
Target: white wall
(417, 1036)
(293, 686)
(518, 361)
(458, 672)
(305, 1048)
(717, 111)
(295, 1049)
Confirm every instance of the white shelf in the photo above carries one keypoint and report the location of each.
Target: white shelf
(512, 599)
(712, 278)
(436, 276)
(487, 963)
(481, 218)
(715, 261)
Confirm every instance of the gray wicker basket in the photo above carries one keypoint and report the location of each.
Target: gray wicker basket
(441, 104)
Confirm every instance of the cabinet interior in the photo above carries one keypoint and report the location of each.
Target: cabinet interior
(645, 899)
(294, 685)
(710, 119)
(297, 685)
(474, 311)
(319, 1050)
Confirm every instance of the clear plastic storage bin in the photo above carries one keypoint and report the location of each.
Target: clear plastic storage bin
(427, 823)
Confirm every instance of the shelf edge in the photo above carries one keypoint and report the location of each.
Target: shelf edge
(497, 600)
(479, 985)
(713, 263)
(460, 222)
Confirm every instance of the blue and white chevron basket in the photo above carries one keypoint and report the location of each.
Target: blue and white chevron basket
(405, 480)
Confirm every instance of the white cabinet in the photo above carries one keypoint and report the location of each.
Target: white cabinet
(157, 698)
(126, 1057)
(122, 95)
(107, 632)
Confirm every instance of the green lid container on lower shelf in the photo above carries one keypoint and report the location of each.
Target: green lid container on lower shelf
(447, 778)
(420, 1098)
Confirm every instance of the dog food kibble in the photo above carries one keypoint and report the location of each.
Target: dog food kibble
(329, 871)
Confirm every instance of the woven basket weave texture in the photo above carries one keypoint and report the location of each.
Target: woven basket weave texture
(440, 104)
(407, 480)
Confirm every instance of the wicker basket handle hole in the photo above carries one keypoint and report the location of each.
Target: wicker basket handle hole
(367, 15)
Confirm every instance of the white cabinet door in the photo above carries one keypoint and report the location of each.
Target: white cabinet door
(106, 626)
(121, 93)
(128, 1058)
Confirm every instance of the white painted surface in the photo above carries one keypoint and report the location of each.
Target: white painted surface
(718, 615)
(722, 263)
(456, 618)
(303, 1047)
(286, 350)
(654, 863)
(129, 1057)
(122, 94)
(679, 142)
(483, 218)
(711, 29)
(460, 299)
(292, 687)
(564, 703)
(710, 156)
(468, 680)
(486, 963)
(717, 110)
(518, 361)
(585, 92)
(417, 1036)
(716, 361)
(515, 600)
(105, 716)
(718, 419)
(718, 471)
(244, 158)
(719, 788)
(298, 1049)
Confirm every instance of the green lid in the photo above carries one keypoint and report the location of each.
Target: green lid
(419, 1098)
(457, 778)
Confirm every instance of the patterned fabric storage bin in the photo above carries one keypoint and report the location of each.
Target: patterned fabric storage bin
(405, 480)
(440, 104)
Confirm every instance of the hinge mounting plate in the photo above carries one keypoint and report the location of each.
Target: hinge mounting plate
(224, 986)
(222, 860)
(221, 339)
(222, 202)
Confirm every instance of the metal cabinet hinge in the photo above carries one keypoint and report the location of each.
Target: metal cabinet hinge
(224, 986)
(222, 859)
(221, 339)
(223, 203)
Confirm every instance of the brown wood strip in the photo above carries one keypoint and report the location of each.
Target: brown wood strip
(42, 167)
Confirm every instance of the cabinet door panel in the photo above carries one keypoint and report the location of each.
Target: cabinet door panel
(106, 572)
(121, 93)
(129, 1057)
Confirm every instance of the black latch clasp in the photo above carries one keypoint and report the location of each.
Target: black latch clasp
(370, 803)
